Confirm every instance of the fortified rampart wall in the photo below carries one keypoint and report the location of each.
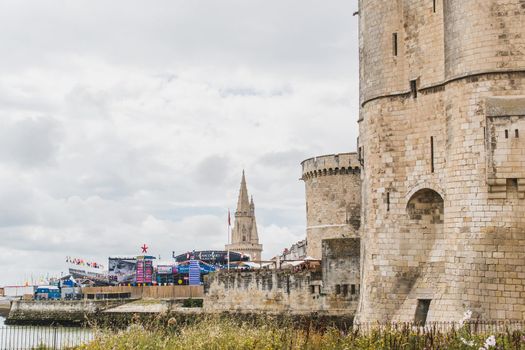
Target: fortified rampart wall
(333, 198)
(274, 292)
(441, 134)
(333, 291)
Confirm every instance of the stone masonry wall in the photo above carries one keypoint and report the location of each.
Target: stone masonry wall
(443, 214)
(341, 267)
(333, 199)
(274, 292)
(333, 291)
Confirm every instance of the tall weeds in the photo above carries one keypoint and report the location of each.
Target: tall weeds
(220, 332)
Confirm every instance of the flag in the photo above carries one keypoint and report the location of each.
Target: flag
(229, 218)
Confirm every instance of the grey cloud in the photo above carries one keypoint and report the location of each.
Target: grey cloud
(16, 206)
(85, 103)
(290, 34)
(30, 142)
(155, 112)
(212, 171)
(289, 158)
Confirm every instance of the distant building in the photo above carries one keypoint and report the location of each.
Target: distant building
(296, 252)
(245, 239)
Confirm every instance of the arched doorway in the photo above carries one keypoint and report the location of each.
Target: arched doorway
(425, 209)
(425, 214)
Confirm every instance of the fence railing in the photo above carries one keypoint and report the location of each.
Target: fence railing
(473, 326)
(154, 292)
(30, 337)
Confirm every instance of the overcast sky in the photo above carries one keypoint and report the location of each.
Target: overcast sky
(129, 122)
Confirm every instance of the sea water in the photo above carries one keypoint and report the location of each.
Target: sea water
(28, 337)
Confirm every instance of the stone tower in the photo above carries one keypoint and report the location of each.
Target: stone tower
(333, 199)
(244, 235)
(442, 143)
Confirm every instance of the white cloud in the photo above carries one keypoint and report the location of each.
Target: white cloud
(123, 123)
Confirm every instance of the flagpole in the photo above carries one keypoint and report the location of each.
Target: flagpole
(228, 251)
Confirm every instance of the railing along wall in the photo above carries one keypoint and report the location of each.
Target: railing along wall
(473, 327)
(148, 292)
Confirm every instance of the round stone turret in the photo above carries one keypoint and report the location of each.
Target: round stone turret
(333, 195)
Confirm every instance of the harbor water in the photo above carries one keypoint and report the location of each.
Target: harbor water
(54, 337)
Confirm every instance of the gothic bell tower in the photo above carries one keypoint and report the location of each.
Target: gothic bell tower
(244, 236)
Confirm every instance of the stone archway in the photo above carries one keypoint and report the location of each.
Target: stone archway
(422, 250)
(425, 210)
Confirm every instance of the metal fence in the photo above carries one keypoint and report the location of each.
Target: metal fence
(472, 327)
(30, 337)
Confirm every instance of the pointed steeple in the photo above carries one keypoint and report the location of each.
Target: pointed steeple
(245, 238)
(243, 204)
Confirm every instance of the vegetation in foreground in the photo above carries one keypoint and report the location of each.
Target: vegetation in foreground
(266, 333)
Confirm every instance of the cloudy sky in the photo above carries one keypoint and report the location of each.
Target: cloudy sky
(129, 122)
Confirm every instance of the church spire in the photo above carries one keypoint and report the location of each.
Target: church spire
(245, 238)
(243, 204)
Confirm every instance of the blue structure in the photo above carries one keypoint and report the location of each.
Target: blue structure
(47, 293)
(194, 273)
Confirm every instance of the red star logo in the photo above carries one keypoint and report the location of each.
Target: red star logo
(144, 248)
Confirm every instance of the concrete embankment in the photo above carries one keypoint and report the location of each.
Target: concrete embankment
(92, 311)
(5, 306)
(60, 312)
(118, 313)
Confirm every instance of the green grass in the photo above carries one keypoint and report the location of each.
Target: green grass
(271, 333)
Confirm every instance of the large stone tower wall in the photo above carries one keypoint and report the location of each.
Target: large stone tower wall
(443, 216)
(333, 196)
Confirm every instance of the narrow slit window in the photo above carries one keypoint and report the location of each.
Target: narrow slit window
(516, 133)
(432, 154)
(434, 6)
(506, 134)
(394, 44)
(337, 289)
(413, 88)
(352, 289)
(388, 201)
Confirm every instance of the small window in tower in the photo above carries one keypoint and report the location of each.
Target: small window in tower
(512, 185)
(434, 6)
(394, 44)
(361, 156)
(345, 289)
(388, 201)
(431, 154)
(244, 238)
(352, 289)
(506, 134)
(516, 133)
(423, 305)
(337, 289)
(413, 88)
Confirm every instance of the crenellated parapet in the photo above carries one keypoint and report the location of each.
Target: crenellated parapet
(332, 164)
